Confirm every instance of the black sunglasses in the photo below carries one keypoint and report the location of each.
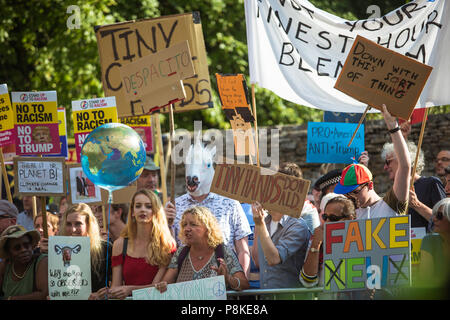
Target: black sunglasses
(331, 217)
(439, 215)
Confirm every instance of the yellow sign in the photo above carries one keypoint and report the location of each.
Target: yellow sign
(6, 117)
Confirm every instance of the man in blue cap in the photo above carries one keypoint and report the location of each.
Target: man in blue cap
(149, 178)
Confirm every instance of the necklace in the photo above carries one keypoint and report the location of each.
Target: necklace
(23, 274)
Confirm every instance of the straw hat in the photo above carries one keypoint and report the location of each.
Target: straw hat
(15, 232)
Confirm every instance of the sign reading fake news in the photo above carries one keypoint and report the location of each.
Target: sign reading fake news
(36, 123)
(367, 253)
(89, 114)
(275, 191)
(327, 142)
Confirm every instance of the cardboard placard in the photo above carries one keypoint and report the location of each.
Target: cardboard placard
(212, 288)
(149, 77)
(6, 118)
(89, 114)
(62, 128)
(367, 253)
(69, 268)
(123, 195)
(35, 176)
(327, 142)
(275, 191)
(233, 90)
(123, 43)
(36, 122)
(375, 75)
(143, 126)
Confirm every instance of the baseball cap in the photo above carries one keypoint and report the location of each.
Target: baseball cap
(7, 208)
(150, 165)
(352, 176)
(15, 232)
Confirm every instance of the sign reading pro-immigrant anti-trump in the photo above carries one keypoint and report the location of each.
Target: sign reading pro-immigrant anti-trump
(275, 191)
(89, 114)
(376, 75)
(36, 122)
(367, 253)
(6, 117)
(123, 43)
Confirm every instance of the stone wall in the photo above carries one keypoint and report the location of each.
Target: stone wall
(293, 141)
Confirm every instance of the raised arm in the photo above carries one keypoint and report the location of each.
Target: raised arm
(403, 174)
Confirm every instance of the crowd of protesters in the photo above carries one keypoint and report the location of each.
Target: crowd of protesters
(195, 237)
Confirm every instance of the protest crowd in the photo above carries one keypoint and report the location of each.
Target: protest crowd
(335, 238)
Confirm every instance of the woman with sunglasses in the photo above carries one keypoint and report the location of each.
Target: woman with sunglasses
(338, 208)
(434, 268)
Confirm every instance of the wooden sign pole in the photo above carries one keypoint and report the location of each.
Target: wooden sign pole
(359, 124)
(43, 213)
(161, 158)
(172, 164)
(5, 176)
(256, 125)
(105, 225)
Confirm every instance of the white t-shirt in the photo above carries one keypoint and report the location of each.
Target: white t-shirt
(379, 210)
(273, 227)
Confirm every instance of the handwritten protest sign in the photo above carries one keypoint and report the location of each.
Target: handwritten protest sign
(233, 90)
(35, 176)
(143, 126)
(275, 191)
(36, 123)
(6, 117)
(367, 253)
(327, 142)
(204, 289)
(69, 268)
(155, 78)
(375, 75)
(417, 234)
(90, 114)
(122, 43)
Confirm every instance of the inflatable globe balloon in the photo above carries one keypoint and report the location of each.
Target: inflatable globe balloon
(112, 156)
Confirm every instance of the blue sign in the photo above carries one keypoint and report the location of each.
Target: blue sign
(327, 142)
(329, 116)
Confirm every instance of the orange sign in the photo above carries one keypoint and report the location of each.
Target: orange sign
(233, 90)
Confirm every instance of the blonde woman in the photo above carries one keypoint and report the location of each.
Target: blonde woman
(79, 221)
(52, 230)
(144, 248)
(204, 254)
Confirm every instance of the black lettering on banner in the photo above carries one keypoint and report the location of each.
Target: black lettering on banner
(283, 52)
(421, 50)
(288, 27)
(168, 38)
(328, 40)
(399, 20)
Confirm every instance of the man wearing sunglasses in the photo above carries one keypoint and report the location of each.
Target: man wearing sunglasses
(356, 181)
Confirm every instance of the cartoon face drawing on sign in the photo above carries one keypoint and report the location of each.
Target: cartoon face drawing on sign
(66, 252)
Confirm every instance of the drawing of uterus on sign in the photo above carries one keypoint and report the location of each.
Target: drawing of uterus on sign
(66, 252)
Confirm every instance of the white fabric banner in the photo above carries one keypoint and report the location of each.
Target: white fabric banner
(297, 50)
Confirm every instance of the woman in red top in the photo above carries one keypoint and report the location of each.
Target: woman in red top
(144, 249)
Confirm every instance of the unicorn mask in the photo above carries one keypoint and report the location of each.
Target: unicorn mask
(199, 168)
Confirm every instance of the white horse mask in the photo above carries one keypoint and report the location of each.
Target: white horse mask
(199, 168)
